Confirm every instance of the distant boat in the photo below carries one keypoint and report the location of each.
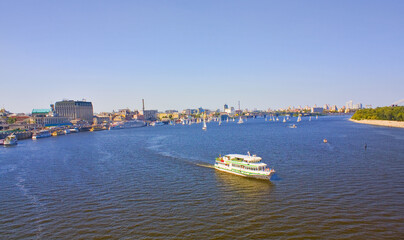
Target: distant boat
(325, 140)
(277, 119)
(227, 120)
(41, 134)
(310, 118)
(240, 120)
(156, 123)
(293, 126)
(10, 140)
(204, 125)
(220, 122)
(74, 130)
(299, 119)
(284, 120)
(316, 117)
(127, 124)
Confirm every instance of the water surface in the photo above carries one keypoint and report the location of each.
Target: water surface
(156, 182)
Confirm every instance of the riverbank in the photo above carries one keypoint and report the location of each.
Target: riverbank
(384, 123)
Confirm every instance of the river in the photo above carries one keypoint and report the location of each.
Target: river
(158, 183)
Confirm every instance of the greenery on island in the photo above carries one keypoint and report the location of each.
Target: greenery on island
(380, 113)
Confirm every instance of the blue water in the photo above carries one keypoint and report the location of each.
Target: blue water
(157, 183)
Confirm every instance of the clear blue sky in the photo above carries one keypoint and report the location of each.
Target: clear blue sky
(185, 54)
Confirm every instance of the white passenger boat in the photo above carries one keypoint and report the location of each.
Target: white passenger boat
(157, 123)
(244, 165)
(127, 124)
(10, 140)
(74, 130)
(41, 134)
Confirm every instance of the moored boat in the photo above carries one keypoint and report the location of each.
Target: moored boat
(97, 128)
(157, 123)
(10, 140)
(41, 134)
(74, 130)
(244, 165)
(127, 124)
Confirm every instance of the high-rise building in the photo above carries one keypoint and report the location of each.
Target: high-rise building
(75, 110)
(349, 104)
(225, 107)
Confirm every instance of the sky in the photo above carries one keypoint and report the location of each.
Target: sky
(189, 54)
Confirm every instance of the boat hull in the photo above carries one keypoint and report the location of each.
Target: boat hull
(255, 176)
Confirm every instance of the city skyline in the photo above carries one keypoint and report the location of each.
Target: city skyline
(179, 55)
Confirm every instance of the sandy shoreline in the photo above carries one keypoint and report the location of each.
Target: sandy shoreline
(383, 123)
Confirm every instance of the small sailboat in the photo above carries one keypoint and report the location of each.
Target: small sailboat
(284, 120)
(316, 117)
(277, 119)
(220, 122)
(310, 118)
(204, 125)
(299, 119)
(227, 120)
(240, 120)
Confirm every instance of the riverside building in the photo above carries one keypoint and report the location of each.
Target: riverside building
(82, 110)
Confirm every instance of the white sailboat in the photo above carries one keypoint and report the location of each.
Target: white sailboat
(284, 120)
(310, 118)
(316, 117)
(299, 119)
(240, 120)
(204, 125)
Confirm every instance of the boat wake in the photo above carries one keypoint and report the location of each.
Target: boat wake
(156, 146)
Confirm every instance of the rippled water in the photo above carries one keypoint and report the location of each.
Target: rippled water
(157, 182)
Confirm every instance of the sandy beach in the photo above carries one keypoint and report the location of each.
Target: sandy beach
(383, 123)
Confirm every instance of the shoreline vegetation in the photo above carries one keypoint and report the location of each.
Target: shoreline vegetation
(382, 116)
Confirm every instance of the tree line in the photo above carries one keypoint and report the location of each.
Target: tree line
(381, 113)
